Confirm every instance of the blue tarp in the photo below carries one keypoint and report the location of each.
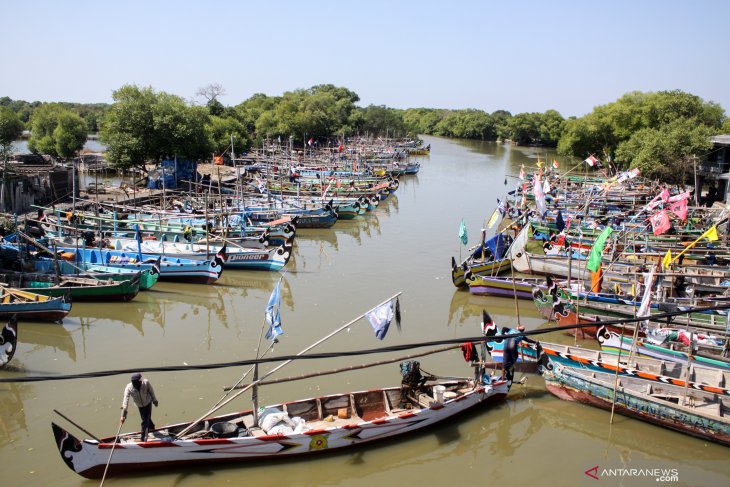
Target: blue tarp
(497, 245)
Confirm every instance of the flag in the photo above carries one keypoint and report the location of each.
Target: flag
(493, 219)
(462, 233)
(559, 222)
(273, 313)
(501, 207)
(679, 208)
(380, 318)
(592, 161)
(646, 299)
(555, 164)
(546, 186)
(662, 197)
(711, 234)
(522, 172)
(539, 162)
(594, 259)
(310, 141)
(539, 197)
(339, 148)
(667, 259)
(660, 222)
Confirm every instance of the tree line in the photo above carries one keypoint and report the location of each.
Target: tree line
(659, 132)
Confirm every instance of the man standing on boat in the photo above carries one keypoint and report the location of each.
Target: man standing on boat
(144, 397)
(511, 353)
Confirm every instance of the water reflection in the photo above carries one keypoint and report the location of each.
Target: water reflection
(12, 418)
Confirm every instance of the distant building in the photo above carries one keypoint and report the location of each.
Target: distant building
(713, 173)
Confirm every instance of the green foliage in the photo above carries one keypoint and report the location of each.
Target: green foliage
(57, 131)
(658, 132)
(146, 125)
(725, 129)
(378, 120)
(220, 130)
(666, 152)
(10, 129)
(536, 128)
(70, 134)
(90, 112)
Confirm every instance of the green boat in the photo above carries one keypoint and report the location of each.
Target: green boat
(78, 288)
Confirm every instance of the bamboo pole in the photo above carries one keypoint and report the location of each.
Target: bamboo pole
(284, 364)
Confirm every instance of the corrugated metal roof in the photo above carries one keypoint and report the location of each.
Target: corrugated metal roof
(721, 139)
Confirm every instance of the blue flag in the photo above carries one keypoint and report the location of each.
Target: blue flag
(462, 233)
(273, 313)
(380, 319)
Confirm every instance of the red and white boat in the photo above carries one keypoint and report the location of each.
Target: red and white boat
(316, 425)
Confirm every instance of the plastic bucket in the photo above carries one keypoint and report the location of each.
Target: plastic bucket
(438, 393)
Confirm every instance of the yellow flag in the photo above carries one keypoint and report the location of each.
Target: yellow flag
(493, 219)
(539, 162)
(667, 260)
(711, 234)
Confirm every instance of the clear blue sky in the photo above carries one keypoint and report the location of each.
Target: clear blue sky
(522, 56)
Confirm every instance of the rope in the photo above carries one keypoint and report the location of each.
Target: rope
(351, 353)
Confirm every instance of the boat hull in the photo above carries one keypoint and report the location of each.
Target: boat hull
(89, 457)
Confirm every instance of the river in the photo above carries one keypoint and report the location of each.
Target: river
(336, 275)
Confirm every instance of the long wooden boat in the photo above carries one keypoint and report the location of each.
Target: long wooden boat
(266, 259)
(327, 423)
(176, 269)
(503, 286)
(79, 288)
(32, 306)
(148, 277)
(8, 340)
(613, 342)
(695, 412)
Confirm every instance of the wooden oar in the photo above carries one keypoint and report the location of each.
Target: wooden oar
(121, 422)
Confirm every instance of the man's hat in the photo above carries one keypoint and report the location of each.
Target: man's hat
(136, 376)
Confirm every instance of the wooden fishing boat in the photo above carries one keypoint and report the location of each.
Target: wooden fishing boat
(175, 269)
(696, 412)
(266, 259)
(612, 341)
(652, 370)
(321, 424)
(503, 286)
(79, 288)
(486, 258)
(147, 277)
(32, 306)
(8, 340)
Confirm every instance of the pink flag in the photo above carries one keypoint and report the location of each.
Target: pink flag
(679, 208)
(680, 197)
(660, 222)
(662, 197)
(522, 173)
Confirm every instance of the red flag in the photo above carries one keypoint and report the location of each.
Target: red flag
(339, 148)
(555, 164)
(591, 161)
(311, 141)
(660, 222)
(679, 208)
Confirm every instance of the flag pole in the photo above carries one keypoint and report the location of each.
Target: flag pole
(284, 364)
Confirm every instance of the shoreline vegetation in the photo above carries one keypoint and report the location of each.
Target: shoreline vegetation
(661, 133)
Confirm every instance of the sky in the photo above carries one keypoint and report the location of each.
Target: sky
(516, 55)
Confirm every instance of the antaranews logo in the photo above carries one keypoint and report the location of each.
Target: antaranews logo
(658, 474)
